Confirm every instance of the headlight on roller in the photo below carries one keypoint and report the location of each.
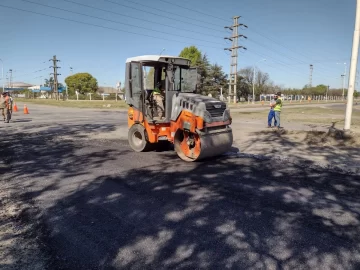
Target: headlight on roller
(207, 117)
(226, 115)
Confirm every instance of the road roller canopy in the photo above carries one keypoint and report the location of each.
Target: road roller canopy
(148, 59)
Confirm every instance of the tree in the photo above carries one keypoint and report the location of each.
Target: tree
(50, 83)
(243, 88)
(201, 62)
(247, 75)
(320, 90)
(245, 82)
(82, 82)
(214, 79)
(202, 65)
(193, 54)
(261, 79)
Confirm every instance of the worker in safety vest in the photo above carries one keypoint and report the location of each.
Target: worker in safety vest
(277, 108)
(4, 107)
(158, 95)
(271, 114)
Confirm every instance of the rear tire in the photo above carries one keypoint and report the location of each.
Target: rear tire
(138, 139)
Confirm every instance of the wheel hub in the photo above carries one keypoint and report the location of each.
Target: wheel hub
(137, 138)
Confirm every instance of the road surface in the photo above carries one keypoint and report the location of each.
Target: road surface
(99, 205)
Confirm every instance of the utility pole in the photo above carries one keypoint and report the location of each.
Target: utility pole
(343, 86)
(118, 87)
(55, 67)
(310, 78)
(343, 76)
(2, 75)
(327, 92)
(234, 55)
(353, 65)
(10, 78)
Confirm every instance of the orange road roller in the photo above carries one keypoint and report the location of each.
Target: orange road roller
(163, 106)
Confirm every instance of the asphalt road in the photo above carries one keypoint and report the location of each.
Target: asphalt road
(99, 205)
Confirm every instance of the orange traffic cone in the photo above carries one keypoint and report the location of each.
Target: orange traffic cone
(15, 108)
(26, 111)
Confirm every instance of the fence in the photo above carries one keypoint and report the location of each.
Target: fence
(62, 96)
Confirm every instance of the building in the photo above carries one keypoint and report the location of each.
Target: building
(20, 85)
(110, 90)
(106, 90)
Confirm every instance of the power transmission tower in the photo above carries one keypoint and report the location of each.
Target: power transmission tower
(55, 67)
(234, 56)
(311, 72)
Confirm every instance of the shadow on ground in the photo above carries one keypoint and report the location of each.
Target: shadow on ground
(163, 213)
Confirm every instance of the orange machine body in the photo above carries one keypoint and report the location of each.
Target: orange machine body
(168, 130)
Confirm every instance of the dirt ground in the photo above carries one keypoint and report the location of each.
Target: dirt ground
(311, 137)
(309, 134)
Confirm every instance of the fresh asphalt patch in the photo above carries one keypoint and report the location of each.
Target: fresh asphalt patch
(84, 200)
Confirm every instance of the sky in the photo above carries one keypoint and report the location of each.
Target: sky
(97, 36)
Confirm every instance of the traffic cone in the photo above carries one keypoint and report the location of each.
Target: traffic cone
(26, 111)
(15, 108)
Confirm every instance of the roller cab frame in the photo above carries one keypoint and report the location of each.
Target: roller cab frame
(198, 126)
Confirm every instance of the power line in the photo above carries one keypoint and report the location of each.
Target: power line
(289, 57)
(203, 13)
(301, 54)
(162, 15)
(104, 27)
(252, 29)
(282, 66)
(22, 75)
(219, 18)
(143, 20)
(168, 12)
(99, 18)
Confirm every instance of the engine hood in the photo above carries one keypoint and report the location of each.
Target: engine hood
(208, 108)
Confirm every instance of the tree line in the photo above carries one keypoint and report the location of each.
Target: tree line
(212, 78)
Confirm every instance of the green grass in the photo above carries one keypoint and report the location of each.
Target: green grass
(306, 115)
(77, 104)
(286, 102)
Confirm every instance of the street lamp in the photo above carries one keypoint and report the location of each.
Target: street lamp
(2, 74)
(343, 80)
(253, 99)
